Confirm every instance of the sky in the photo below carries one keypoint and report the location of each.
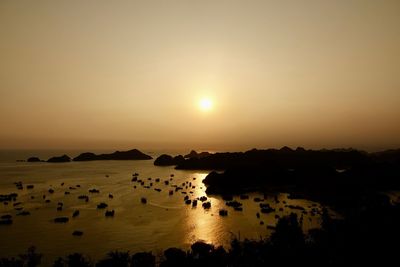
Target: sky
(125, 74)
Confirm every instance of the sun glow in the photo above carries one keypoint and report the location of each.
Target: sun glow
(205, 104)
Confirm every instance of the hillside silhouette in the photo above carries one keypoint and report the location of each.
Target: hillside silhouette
(334, 177)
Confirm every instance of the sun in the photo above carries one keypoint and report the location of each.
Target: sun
(205, 104)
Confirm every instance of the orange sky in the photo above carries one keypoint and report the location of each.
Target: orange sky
(122, 74)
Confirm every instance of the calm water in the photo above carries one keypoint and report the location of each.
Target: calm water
(165, 221)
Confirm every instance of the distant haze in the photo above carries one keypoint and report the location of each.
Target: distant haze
(123, 74)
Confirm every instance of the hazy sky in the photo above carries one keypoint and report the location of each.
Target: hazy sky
(123, 74)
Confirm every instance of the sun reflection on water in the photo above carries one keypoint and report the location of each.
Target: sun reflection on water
(204, 224)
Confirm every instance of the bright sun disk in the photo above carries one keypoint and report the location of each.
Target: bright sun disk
(205, 104)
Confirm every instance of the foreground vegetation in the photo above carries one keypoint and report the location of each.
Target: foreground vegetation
(369, 236)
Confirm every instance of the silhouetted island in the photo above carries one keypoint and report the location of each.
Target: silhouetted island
(167, 160)
(133, 154)
(194, 154)
(63, 158)
(333, 177)
(34, 159)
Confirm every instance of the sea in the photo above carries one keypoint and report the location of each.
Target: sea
(164, 221)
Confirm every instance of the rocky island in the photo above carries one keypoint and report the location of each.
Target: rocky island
(133, 154)
(63, 158)
(334, 177)
(34, 159)
(194, 154)
(167, 160)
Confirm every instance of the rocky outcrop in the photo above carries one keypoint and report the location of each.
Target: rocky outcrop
(194, 154)
(133, 154)
(87, 156)
(33, 159)
(167, 160)
(63, 158)
(284, 157)
(318, 175)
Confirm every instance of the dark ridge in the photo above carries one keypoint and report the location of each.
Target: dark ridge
(194, 154)
(334, 177)
(283, 157)
(167, 160)
(33, 159)
(63, 158)
(133, 154)
(392, 156)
